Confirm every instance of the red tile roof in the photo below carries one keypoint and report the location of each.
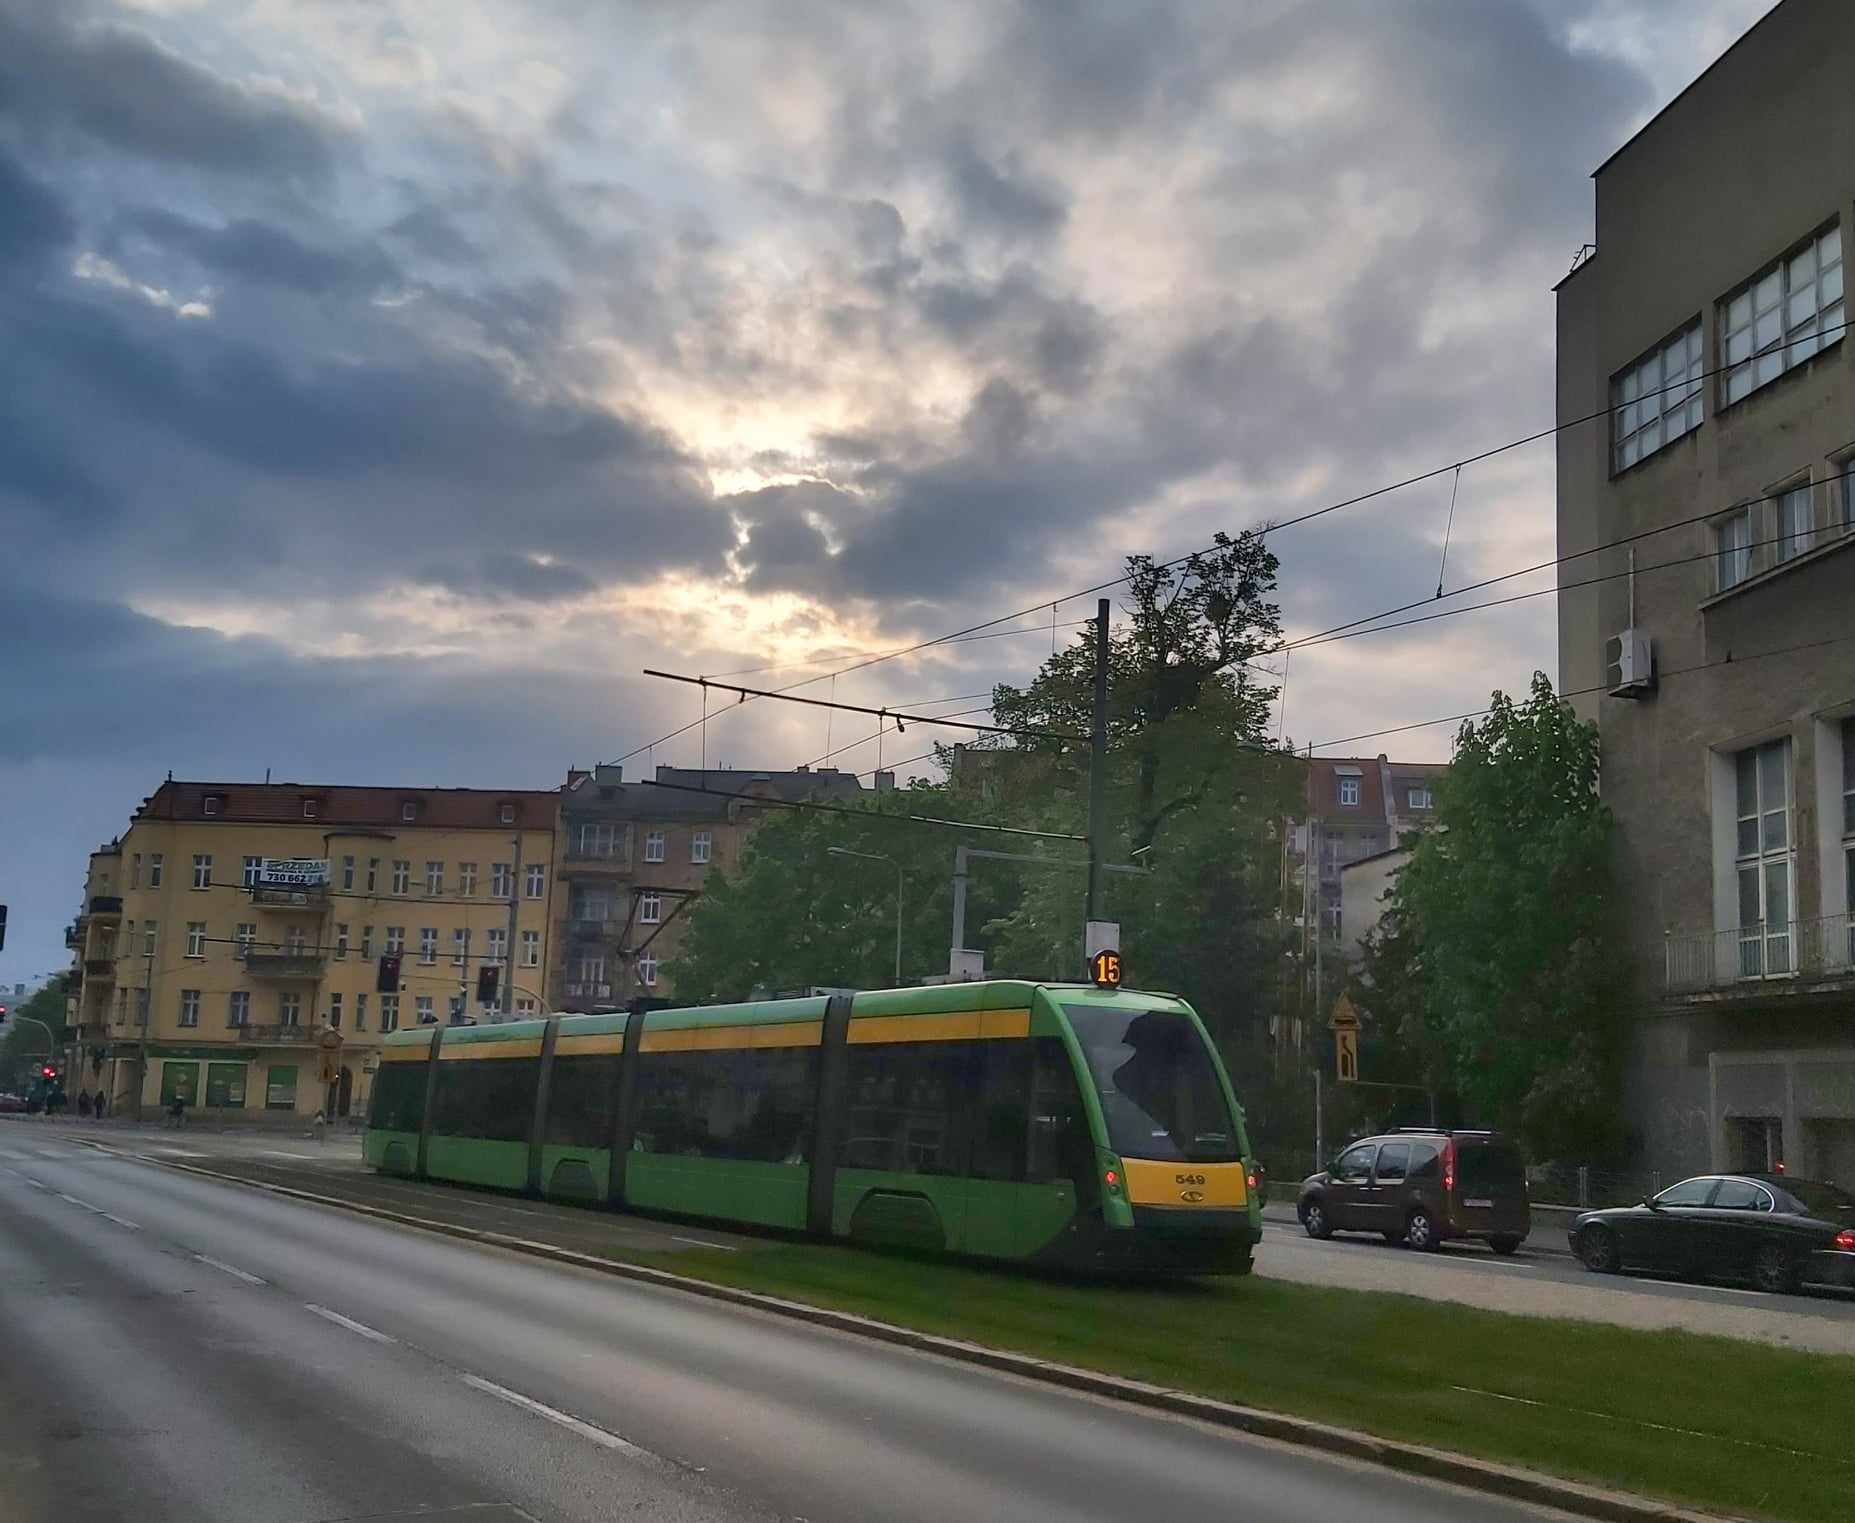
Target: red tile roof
(370, 808)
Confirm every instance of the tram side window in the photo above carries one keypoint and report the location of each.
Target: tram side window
(905, 1107)
(399, 1097)
(1001, 1113)
(489, 1098)
(579, 1104)
(1060, 1146)
(756, 1104)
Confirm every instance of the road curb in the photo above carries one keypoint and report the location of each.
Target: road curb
(1505, 1481)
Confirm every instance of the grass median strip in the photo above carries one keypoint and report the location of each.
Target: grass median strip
(1714, 1423)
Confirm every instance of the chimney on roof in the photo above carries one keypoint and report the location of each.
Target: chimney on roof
(609, 774)
(885, 782)
(805, 767)
(663, 768)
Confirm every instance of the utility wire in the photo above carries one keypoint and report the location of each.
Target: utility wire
(857, 708)
(870, 814)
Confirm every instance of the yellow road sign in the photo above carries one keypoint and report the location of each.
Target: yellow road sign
(1346, 1054)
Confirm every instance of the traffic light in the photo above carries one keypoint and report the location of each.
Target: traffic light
(486, 984)
(386, 979)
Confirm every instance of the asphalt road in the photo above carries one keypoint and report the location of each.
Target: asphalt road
(184, 1348)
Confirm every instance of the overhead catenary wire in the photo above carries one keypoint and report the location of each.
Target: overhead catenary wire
(869, 814)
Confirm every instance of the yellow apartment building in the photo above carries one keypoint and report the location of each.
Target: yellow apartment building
(234, 945)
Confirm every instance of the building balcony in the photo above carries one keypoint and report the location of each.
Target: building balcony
(278, 1035)
(591, 864)
(102, 969)
(1760, 961)
(589, 991)
(106, 906)
(311, 898)
(297, 965)
(593, 927)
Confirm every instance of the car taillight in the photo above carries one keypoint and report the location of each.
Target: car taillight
(1449, 1164)
(1845, 1240)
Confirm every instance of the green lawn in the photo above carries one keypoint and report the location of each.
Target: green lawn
(1715, 1423)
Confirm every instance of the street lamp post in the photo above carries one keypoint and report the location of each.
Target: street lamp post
(871, 856)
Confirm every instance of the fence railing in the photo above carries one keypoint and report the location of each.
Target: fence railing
(1771, 953)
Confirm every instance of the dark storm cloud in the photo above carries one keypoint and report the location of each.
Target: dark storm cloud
(250, 250)
(59, 69)
(33, 221)
(1001, 201)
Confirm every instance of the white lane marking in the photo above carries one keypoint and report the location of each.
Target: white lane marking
(1638, 1422)
(1734, 1290)
(37, 1184)
(348, 1322)
(275, 1153)
(84, 1204)
(231, 1269)
(702, 1242)
(572, 1424)
(110, 1216)
(178, 1153)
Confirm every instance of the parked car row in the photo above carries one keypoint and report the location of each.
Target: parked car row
(1422, 1186)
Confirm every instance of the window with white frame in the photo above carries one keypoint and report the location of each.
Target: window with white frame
(347, 872)
(189, 1007)
(367, 941)
(395, 939)
(402, 876)
(531, 949)
(202, 871)
(434, 877)
(296, 941)
(154, 869)
(310, 809)
(373, 874)
(389, 1012)
(1782, 316)
(591, 904)
(1796, 523)
(334, 1011)
(524, 1004)
(653, 845)
(650, 907)
(498, 943)
(1732, 539)
(408, 810)
(238, 1008)
(196, 938)
(253, 866)
(210, 804)
(701, 843)
(360, 1012)
(506, 813)
(1762, 858)
(135, 870)
(535, 880)
(1656, 400)
(422, 1005)
(428, 943)
(502, 880)
(592, 970)
(150, 930)
(1420, 798)
(125, 943)
(460, 947)
(289, 1009)
(245, 933)
(341, 941)
(467, 879)
(647, 971)
(1842, 494)
(1349, 792)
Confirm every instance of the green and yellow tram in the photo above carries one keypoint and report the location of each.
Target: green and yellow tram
(1062, 1124)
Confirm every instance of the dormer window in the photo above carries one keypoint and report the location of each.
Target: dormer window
(408, 810)
(311, 808)
(506, 813)
(212, 803)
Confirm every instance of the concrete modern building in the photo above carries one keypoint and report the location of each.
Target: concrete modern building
(633, 857)
(1706, 333)
(230, 941)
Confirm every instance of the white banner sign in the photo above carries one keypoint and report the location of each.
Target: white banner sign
(293, 872)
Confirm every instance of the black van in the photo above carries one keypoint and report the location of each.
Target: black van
(1422, 1186)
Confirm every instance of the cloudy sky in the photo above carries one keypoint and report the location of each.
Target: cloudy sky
(390, 380)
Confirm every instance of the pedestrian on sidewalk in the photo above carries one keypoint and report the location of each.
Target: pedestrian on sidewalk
(177, 1112)
(83, 1102)
(321, 1127)
(100, 1105)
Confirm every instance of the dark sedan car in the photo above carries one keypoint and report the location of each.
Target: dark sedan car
(1768, 1228)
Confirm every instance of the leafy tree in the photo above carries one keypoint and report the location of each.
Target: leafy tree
(21, 1042)
(1498, 961)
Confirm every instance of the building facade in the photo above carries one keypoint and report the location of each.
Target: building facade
(230, 942)
(1711, 495)
(633, 856)
(1357, 808)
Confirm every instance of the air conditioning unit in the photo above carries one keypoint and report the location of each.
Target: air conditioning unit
(1629, 664)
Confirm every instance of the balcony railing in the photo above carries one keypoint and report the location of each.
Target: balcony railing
(100, 967)
(106, 904)
(301, 896)
(589, 991)
(1767, 957)
(277, 1034)
(284, 964)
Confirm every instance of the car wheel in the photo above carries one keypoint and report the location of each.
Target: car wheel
(1597, 1247)
(1774, 1271)
(1504, 1245)
(1420, 1231)
(1314, 1220)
